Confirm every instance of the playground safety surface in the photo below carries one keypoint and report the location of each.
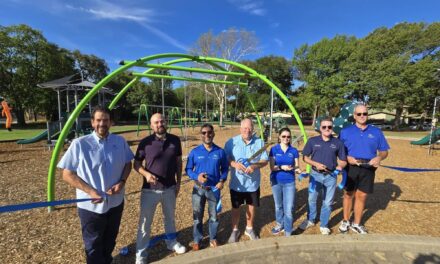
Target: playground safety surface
(403, 204)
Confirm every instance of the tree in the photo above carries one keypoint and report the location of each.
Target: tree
(26, 59)
(276, 69)
(320, 67)
(233, 45)
(90, 67)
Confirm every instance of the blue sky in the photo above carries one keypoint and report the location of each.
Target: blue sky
(128, 29)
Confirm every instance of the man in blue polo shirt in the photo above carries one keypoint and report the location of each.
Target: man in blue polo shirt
(245, 181)
(208, 166)
(325, 154)
(98, 166)
(366, 148)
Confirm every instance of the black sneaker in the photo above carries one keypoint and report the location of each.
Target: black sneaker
(344, 226)
(360, 229)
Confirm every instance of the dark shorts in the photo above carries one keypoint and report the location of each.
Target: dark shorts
(359, 178)
(239, 198)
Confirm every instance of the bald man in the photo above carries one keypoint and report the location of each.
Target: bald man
(161, 154)
(245, 181)
(366, 148)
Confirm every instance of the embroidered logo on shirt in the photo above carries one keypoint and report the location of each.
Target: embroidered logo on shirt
(200, 157)
(215, 156)
(332, 146)
(370, 136)
(290, 155)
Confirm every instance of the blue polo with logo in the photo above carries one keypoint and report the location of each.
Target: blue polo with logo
(213, 162)
(363, 144)
(283, 158)
(325, 152)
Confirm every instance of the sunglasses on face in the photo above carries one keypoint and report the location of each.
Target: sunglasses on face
(327, 127)
(283, 136)
(363, 114)
(206, 132)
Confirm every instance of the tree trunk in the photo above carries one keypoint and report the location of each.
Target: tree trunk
(221, 106)
(21, 121)
(315, 114)
(399, 111)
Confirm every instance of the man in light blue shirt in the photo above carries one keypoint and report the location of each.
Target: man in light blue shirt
(245, 180)
(98, 166)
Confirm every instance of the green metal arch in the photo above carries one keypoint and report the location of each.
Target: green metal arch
(182, 58)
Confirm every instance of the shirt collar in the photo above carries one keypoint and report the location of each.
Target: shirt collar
(98, 139)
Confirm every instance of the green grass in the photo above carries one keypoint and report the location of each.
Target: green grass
(17, 134)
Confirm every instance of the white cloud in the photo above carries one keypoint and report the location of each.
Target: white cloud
(144, 17)
(250, 6)
(279, 42)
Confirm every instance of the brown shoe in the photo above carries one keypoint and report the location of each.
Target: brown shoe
(195, 247)
(213, 243)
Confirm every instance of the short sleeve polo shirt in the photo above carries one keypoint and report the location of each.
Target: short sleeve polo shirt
(160, 158)
(363, 144)
(325, 152)
(283, 158)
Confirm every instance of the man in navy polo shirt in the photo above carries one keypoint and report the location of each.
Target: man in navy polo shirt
(366, 148)
(208, 166)
(325, 154)
(162, 155)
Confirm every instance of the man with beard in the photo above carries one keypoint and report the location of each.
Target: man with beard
(98, 166)
(245, 180)
(208, 166)
(162, 173)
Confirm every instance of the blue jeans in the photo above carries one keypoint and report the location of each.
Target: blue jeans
(325, 184)
(284, 198)
(99, 232)
(199, 198)
(149, 200)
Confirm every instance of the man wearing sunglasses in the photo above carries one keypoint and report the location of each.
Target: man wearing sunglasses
(208, 166)
(325, 154)
(366, 148)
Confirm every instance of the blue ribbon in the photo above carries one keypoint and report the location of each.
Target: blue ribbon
(302, 176)
(409, 169)
(218, 206)
(27, 206)
(156, 239)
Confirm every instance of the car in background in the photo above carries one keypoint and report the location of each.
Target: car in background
(424, 127)
(382, 126)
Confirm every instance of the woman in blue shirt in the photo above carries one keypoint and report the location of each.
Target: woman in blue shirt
(283, 164)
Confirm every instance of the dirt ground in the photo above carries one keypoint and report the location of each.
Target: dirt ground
(403, 203)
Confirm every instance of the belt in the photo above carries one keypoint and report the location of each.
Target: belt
(325, 172)
(363, 160)
(207, 188)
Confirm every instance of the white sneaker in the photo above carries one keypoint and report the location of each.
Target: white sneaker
(178, 248)
(306, 224)
(325, 230)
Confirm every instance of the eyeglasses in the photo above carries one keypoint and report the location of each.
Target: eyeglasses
(325, 127)
(207, 132)
(364, 114)
(285, 137)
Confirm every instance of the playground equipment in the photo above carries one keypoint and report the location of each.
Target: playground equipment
(342, 120)
(430, 139)
(6, 111)
(149, 73)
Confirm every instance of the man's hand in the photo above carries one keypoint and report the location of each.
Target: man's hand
(321, 167)
(375, 162)
(239, 166)
(250, 169)
(352, 161)
(203, 177)
(95, 195)
(286, 167)
(220, 185)
(115, 189)
(151, 179)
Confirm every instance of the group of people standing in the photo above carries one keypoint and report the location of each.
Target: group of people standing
(98, 166)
